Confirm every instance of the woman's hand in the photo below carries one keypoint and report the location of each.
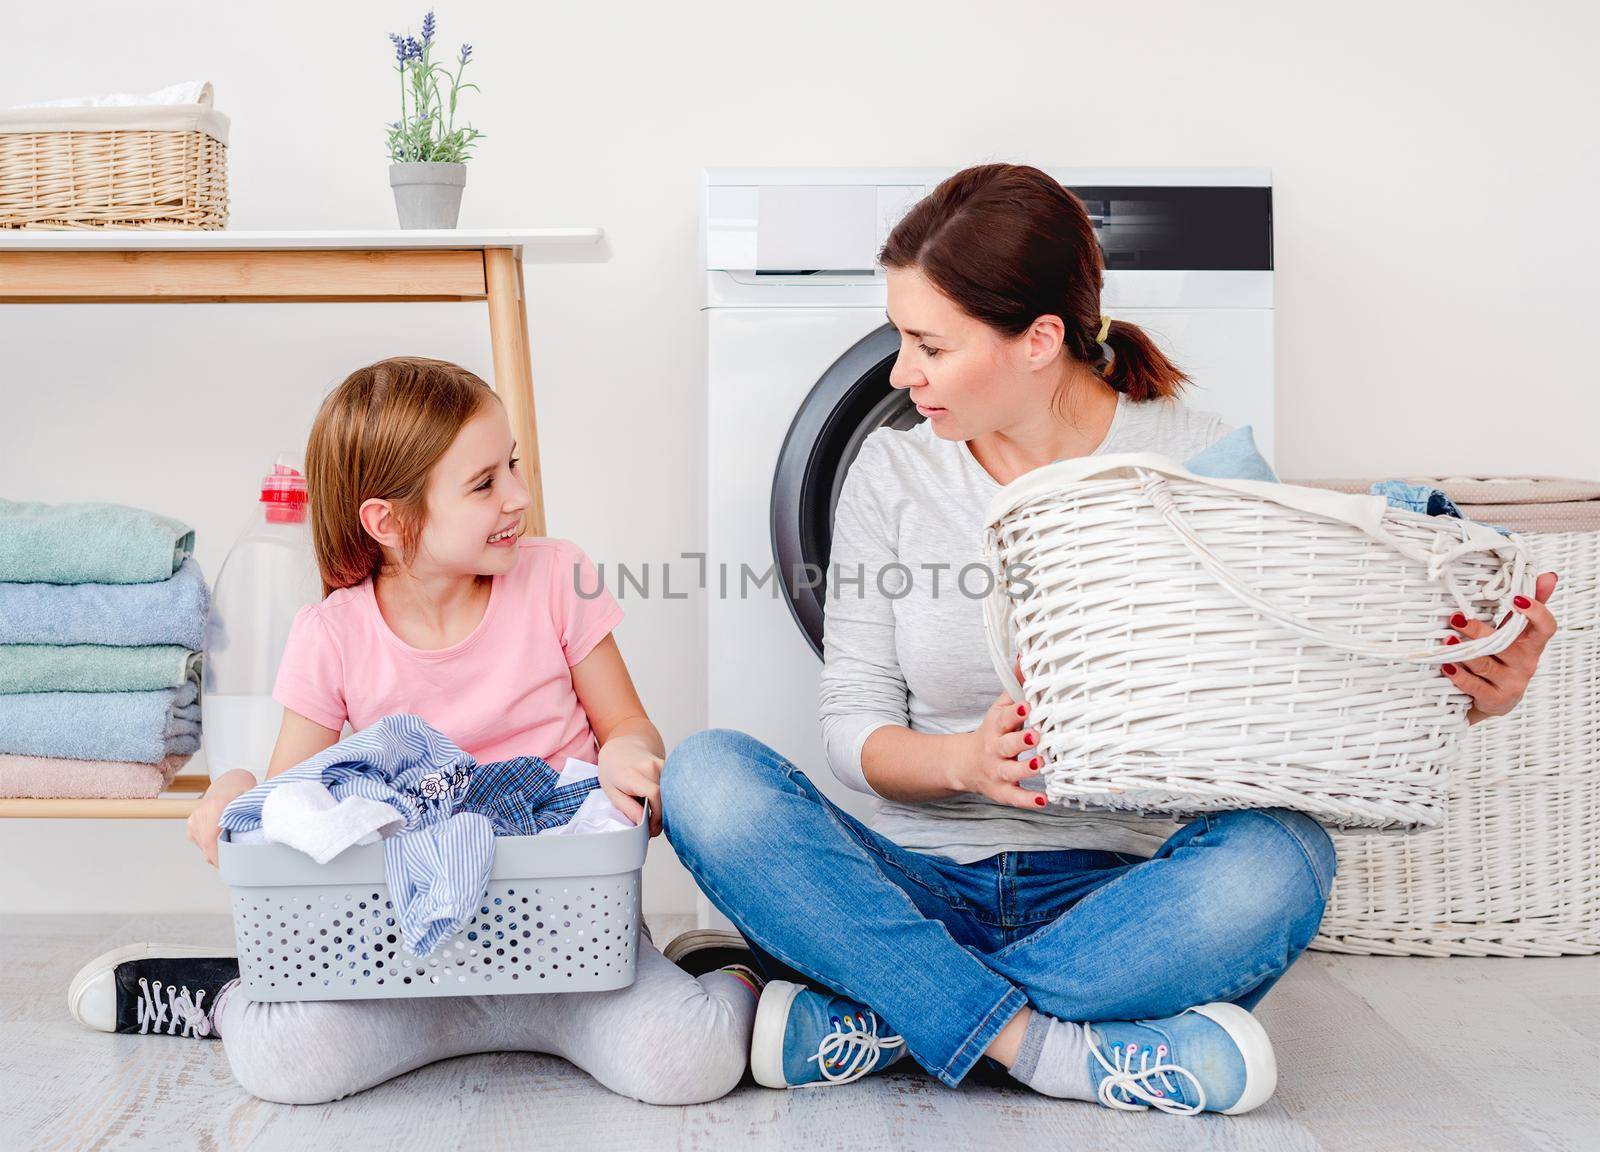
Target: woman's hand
(629, 772)
(990, 767)
(205, 822)
(1496, 683)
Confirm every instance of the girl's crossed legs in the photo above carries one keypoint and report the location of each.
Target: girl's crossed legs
(668, 1038)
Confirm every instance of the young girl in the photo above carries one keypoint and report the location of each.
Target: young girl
(436, 605)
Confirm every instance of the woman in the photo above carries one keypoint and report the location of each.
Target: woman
(970, 919)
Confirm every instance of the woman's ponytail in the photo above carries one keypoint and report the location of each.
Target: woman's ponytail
(1131, 363)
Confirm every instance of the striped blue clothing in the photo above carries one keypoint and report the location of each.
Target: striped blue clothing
(437, 865)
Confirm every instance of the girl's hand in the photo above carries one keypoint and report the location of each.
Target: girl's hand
(1496, 683)
(205, 822)
(990, 766)
(630, 772)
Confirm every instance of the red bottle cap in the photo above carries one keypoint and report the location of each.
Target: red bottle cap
(284, 494)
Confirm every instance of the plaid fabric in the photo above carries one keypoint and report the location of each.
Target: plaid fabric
(520, 796)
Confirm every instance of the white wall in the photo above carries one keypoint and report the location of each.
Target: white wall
(1434, 170)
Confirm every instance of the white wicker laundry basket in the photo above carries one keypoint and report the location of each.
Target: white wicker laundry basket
(561, 914)
(1514, 869)
(1191, 645)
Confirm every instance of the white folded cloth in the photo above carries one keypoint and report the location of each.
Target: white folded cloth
(303, 815)
(188, 92)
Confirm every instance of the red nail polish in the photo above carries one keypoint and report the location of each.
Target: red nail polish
(1028, 738)
(1039, 800)
(1458, 621)
(1453, 640)
(1022, 709)
(1521, 601)
(1449, 669)
(1035, 763)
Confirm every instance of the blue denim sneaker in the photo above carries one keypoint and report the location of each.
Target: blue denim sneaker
(1213, 1058)
(804, 1038)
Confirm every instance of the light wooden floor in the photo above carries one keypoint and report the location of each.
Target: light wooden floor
(1373, 1054)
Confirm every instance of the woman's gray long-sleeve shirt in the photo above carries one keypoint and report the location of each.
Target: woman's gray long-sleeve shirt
(906, 645)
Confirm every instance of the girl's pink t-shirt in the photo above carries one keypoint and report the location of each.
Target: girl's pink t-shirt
(504, 690)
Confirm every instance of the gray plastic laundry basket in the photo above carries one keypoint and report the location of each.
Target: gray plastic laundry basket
(561, 915)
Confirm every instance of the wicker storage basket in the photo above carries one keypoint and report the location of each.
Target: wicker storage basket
(561, 914)
(1514, 869)
(150, 166)
(1191, 645)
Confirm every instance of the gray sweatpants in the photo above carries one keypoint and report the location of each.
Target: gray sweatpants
(668, 1038)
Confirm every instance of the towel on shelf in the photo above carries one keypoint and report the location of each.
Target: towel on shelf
(170, 611)
(437, 864)
(89, 544)
(146, 727)
(94, 668)
(54, 778)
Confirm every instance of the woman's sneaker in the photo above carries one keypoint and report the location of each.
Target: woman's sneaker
(168, 989)
(804, 1038)
(1214, 1058)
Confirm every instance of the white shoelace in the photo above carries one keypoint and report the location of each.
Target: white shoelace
(1124, 1086)
(180, 1010)
(854, 1049)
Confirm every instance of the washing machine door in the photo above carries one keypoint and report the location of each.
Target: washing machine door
(851, 400)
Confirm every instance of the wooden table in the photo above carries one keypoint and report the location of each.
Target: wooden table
(237, 267)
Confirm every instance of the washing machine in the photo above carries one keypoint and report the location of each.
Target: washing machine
(799, 352)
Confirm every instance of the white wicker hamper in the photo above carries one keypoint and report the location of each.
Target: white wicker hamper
(1514, 869)
(1192, 645)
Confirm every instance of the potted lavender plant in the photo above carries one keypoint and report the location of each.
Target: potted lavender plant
(427, 152)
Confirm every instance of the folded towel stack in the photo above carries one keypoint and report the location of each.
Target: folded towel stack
(102, 618)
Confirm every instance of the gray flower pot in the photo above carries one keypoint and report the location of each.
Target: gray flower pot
(427, 195)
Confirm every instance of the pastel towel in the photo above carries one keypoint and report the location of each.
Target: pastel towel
(52, 778)
(89, 544)
(170, 611)
(94, 668)
(146, 727)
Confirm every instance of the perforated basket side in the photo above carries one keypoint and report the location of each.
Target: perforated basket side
(561, 914)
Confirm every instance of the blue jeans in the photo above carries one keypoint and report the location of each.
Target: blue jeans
(945, 953)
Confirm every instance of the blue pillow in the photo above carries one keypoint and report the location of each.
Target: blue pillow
(1234, 457)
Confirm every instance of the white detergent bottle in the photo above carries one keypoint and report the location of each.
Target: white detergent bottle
(268, 575)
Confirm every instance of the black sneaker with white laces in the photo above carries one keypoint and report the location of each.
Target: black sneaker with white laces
(151, 989)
